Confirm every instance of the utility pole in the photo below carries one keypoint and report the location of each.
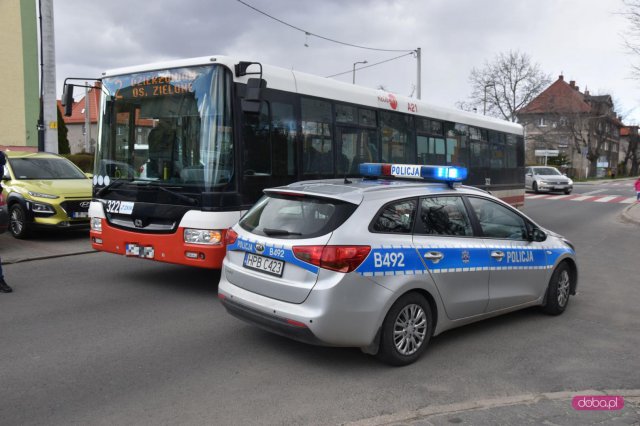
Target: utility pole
(48, 78)
(419, 79)
(87, 119)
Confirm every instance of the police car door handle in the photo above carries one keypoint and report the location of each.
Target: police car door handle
(434, 256)
(498, 255)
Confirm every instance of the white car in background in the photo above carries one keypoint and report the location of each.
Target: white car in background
(546, 179)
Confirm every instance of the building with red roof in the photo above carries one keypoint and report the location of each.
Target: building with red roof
(82, 139)
(584, 129)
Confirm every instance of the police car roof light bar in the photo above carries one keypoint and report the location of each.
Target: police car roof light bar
(447, 174)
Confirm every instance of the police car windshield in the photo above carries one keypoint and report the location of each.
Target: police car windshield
(295, 217)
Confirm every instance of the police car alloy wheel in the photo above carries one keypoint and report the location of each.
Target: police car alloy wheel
(406, 330)
(559, 290)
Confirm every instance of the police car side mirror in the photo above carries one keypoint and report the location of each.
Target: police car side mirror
(537, 235)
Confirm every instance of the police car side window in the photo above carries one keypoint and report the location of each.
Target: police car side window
(497, 221)
(396, 217)
(443, 216)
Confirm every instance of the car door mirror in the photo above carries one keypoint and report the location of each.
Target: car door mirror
(537, 235)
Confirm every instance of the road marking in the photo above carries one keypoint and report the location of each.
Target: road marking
(594, 192)
(537, 196)
(605, 199)
(560, 197)
(629, 200)
(582, 198)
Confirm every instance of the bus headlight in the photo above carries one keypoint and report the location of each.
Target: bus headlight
(96, 224)
(202, 236)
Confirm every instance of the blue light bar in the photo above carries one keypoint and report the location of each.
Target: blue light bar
(414, 171)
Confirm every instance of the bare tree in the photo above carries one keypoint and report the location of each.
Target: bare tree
(632, 36)
(505, 85)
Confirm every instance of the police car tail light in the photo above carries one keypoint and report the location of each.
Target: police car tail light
(336, 258)
(230, 236)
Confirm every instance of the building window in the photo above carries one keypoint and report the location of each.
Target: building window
(542, 122)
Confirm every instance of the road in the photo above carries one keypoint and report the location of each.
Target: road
(100, 339)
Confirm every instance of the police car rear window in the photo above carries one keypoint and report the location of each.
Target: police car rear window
(296, 217)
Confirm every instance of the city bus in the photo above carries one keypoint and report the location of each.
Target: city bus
(186, 147)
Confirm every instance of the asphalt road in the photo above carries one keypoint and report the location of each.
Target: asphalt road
(101, 339)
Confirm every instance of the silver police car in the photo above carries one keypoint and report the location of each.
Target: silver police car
(385, 264)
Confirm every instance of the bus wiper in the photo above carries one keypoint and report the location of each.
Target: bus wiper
(178, 195)
(112, 185)
(271, 231)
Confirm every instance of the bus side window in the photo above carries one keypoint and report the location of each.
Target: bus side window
(317, 148)
(256, 158)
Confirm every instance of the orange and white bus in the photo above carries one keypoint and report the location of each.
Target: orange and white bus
(186, 147)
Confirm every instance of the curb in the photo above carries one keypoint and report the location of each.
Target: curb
(630, 395)
(631, 217)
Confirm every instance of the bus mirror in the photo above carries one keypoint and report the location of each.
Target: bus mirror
(251, 100)
(67, 99)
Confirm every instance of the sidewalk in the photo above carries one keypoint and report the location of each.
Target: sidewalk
(631, 214)
(548, 408)
(43, 245)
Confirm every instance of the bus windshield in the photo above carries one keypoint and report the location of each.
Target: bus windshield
(169, 127)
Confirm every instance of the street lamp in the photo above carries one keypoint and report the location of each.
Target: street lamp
(354, 69)
(484, 104)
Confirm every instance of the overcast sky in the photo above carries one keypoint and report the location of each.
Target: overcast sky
(583, 39)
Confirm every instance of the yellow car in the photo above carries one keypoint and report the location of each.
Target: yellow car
(44, 190)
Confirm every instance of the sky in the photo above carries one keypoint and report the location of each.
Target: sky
(581, 39)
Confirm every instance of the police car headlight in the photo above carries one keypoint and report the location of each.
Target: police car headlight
(41, 208)
(41, 195)
(202, 236)
(96, 224)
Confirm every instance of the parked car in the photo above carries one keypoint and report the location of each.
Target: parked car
(384, 265)
(546, 179)
(44, 190)
(4, 216)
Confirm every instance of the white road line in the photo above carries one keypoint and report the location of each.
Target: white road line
(594, 192)
(581, 198)
(559, 197)
(531, 197)
(606, 199)
(629, 200)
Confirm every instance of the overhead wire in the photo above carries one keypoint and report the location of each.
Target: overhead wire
(369, 66)
(309, 33)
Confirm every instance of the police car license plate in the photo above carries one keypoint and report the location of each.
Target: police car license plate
(140, 251)
(263, 264)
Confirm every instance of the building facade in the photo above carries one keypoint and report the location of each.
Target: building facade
(578, 131)
(20, 106)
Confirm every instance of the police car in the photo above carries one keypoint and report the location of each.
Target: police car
(385, 264)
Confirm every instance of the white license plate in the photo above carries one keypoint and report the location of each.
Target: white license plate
(77, 215)
(140, 251)
(263, 264)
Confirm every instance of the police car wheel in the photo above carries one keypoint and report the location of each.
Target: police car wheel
(558, 290)
(406, 330)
